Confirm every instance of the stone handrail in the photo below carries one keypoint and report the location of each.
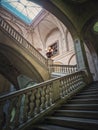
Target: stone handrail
(66, 69)
(20, 40)
(25, 105)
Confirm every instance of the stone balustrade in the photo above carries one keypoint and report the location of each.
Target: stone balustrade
(20, 107)
(63, 69)
(20, 40)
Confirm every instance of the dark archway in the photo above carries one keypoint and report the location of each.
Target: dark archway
(13, 64)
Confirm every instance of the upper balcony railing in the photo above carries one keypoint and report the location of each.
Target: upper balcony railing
(63, 69)
(24, 106)
(21, 40)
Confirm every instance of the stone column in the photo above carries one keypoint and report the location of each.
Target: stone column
(81, 58)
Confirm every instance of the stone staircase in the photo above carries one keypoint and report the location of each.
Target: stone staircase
(79, 113)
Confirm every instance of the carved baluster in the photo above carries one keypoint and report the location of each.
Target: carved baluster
(68, 69)
(77, 80)
(74, 69)
(37, 109)
(60, 87)
(11, 33)
(64, 87)
(16, 118)
(51, 94)
(5, 25)
(73, 81)
(32, 103)
(42, 107)
(47, 97)
(48, 94)
(20, 39)
(62, 69)
(16, 36)
(66, 92)
(6, 28)
(25, 110)
(9, 30)
(71, 85)
(9, 108)
(59, 69)
(22, 107)
(67, 85)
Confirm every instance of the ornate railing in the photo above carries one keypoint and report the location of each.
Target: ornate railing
(66, 69)
(20, 40)
(20, 107)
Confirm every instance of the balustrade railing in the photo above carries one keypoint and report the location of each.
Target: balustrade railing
(21, 40)
(66, 69)
(24, 105)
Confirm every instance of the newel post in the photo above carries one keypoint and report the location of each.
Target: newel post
(49, 64)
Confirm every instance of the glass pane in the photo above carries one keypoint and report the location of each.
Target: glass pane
(24, 9)
(95, 27)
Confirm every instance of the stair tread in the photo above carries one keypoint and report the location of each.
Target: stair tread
(90, 89)
(77, 111)
(52, 127)
(74, 114)
(94, 92)
(79, 95)
(89, 121)
(86, 101)
(80, 105)
(83, 99)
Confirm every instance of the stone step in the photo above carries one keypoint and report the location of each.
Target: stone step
(90, 89)
(77, 113)
(89, 93)
(50, 127)
(83, 101)
(76, 123)
(89, 107)
(85, 96)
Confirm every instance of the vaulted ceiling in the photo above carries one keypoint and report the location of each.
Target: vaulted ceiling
(79, 16)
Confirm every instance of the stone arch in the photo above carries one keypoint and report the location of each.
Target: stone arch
(71, 58)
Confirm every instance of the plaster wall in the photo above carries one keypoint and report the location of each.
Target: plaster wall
(48, 31)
